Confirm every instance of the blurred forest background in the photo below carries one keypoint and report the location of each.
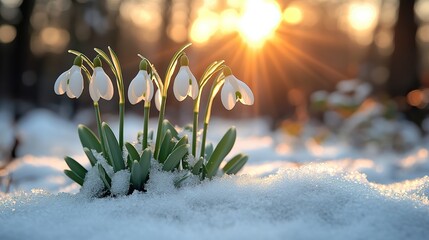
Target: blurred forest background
(285, 49)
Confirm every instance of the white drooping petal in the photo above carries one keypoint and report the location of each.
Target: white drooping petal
(103, 84)
(158, 99)
(60, 85)
(181, 84)
(228, 95)
(136, 88)
(246, 93)
(193, 89)
(149, 88)
(95, 95)
(75, 85)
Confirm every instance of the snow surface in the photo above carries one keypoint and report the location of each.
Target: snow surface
(291, 188)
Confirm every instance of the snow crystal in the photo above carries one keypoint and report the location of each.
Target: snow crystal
(93, 186)
(331, 203)
(120, 183)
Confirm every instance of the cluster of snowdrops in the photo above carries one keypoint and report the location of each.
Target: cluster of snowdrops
(182, 150)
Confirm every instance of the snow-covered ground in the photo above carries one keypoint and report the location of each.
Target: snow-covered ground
(287, 190)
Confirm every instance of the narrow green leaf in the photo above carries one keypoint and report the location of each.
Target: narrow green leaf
(222, 149)
(165, 147)
(88, 138)
(76, 167)
(106, 58)
(116, 63)
(145, 163)
(182, 141)
(73, 176)
(132, 151)
(209, 151)
(104, 177)
(90, 156)
(235, 164)
(85, 58)
(197, 167)
(136, 176)
(129, 162)
(112, 148)
(166, 125)
(174, 158)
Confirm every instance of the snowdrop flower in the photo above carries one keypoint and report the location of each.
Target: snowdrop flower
(100, 84)
(185, 83)
(70, 81)
(141, 87)
(234, 90)
(158, 99)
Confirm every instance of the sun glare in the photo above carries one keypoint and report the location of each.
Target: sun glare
(362, 16)
(292, 15)
(259, 21)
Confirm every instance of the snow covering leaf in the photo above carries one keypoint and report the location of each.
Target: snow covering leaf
(145, 163)
(132, 152)
(235, 164)
(222, 149)
(166, 146)
(76, 167)
(166, 125)
(136, 176)
(112, 148)
(92, 159)
(88, 138)
(197, 167)
(73, 176)
(104, 177)
(174, 158)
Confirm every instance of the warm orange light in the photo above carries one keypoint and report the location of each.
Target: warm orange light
(259, 21)
(204, 27)
(362, 16)
(292, 15)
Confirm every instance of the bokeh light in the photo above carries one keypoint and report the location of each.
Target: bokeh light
(7, 33)
(292, 15)
(362, 16)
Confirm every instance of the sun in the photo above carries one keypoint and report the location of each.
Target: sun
(259, 21)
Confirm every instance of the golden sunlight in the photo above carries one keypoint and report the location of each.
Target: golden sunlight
(259, 21)
(292, 15)
(362, 16)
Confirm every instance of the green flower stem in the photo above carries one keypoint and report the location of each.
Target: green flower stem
(98, 118)
(214, 90)
(121, 124)
(145, 124)
(194, 134)
(159, 130)
(203, 140)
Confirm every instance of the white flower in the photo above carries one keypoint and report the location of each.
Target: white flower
(185, 83)
(70, 82)
(141, 88)
(100, 85)
(234, 90)
(158, 99)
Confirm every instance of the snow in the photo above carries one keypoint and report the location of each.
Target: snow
(292, 187)
(311, 202)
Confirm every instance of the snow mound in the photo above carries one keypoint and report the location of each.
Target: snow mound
(311, 202)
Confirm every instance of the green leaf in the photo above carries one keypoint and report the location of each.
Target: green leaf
(73, 176)
(182, 141)
(222, 149)
(145, 163)
(88, 138)
(115, 61)
(85, 58)
(132, 151)
(197, 167)
(112, 148)
(235, 164)
(209, 151)
(107, 59)
(166, 146)
(92, 159)
(174, 158)
(104, 177)
(166, 125)
(136, 176)
(76, 167)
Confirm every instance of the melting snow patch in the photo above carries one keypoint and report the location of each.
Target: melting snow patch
(311, 202)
